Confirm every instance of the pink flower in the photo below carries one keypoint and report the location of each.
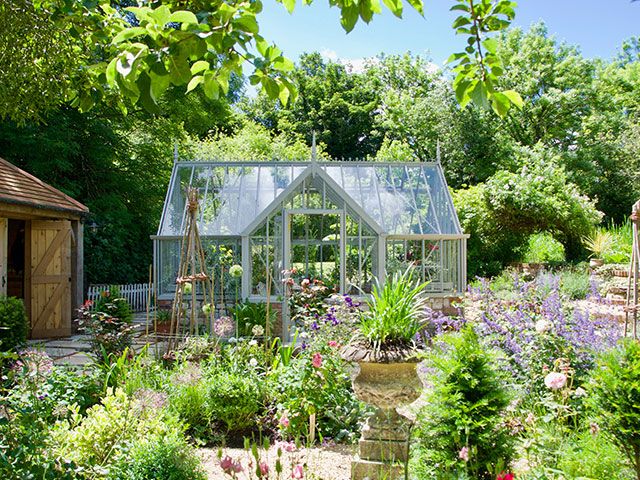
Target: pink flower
(555, 380)
(505, 476)
(304, 283)
(264, 469)
(297, 472)
(284, 421)
(332, 343)
(316, 361)
(464, 454)
(286, 446)
(229, 465)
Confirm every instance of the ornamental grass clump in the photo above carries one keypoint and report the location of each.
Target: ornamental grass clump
(395, 313)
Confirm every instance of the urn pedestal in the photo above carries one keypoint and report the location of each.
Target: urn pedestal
(383, 449)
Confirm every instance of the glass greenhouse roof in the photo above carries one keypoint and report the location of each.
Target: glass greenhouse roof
(401, 198)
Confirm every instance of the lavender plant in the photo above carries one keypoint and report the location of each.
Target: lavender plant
(534, 328)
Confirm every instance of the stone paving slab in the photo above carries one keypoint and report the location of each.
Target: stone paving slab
(78, 359)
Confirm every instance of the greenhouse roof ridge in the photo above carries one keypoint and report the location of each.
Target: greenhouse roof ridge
(288, 163)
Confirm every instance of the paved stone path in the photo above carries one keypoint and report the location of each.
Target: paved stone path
(74, 350)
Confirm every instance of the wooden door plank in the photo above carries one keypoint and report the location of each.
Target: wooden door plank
(51, 251)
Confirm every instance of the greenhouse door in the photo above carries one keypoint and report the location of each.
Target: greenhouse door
(314, 246)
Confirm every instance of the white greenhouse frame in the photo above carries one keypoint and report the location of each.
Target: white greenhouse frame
(403, 213)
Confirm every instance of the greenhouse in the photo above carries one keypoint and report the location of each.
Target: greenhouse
(347, 224)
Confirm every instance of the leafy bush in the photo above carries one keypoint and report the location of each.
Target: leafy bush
(460, 430)
(160, 458)
(109, 335)
(234, 400)
(542, 248)
(503, 212)
(575, 283)
(13, 323)
(395, 311)
(316, 382)
(111, 302)
(102, 439)
(615, 399)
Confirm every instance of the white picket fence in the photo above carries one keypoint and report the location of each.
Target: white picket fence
(137, 294)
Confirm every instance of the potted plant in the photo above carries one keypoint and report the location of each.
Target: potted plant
(598, 244)
(385, 350)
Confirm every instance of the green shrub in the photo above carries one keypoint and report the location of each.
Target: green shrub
(13, 323)
(111, 302)
(588, 455)
(187, 396)
(234, 400)
(303, 388)
(615, 398)
(98, 441)
(575, 283)
(460, 430)
(503, 212)
(160, 458)
(542, 248)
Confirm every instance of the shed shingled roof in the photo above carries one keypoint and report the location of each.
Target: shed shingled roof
(20, 187)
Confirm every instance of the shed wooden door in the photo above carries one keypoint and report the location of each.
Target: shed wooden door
(50, 278)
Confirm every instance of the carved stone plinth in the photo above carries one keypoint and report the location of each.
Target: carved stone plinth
(383, 449)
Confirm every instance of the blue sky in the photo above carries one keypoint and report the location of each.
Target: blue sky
(597, 27)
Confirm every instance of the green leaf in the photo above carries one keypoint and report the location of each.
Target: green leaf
(455, 56)
(461, 7)
(248, 23)
(283, 64)
(479, 94)
(500, 104)
(395, 6)
(461, 21)
(195, 81)
(349, 17)
(270, 87)
(211, 86)
(159, 84)
(283, 96)
(111, 72)
(417, 5)
(491, 45)
(183, 16)
(514, 97)
(161, 15)
(199, 66)
(144, 86)
(289, 5)
(128, 33)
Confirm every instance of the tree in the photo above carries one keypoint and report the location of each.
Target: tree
(132, 54)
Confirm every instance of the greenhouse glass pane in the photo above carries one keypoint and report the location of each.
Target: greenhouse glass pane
(172, 221)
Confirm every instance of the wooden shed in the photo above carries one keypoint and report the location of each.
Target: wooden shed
(41, 252)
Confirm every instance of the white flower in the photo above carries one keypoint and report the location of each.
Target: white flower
(253, 343)
(233, 340)
(257, 330)
(543, 326)
(555, 380)
(253, 362)
(580, 392)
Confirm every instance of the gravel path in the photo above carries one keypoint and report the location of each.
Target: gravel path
(330, 463)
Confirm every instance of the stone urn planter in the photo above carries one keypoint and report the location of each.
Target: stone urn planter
(596, 262)
(386, 380)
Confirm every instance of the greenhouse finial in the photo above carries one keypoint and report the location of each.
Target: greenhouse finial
(314, 153)
(175, 152)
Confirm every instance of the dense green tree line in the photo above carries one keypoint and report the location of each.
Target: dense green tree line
(579, 123)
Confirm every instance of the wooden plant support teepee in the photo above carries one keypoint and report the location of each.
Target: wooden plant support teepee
(192, 279)
(631, 309)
